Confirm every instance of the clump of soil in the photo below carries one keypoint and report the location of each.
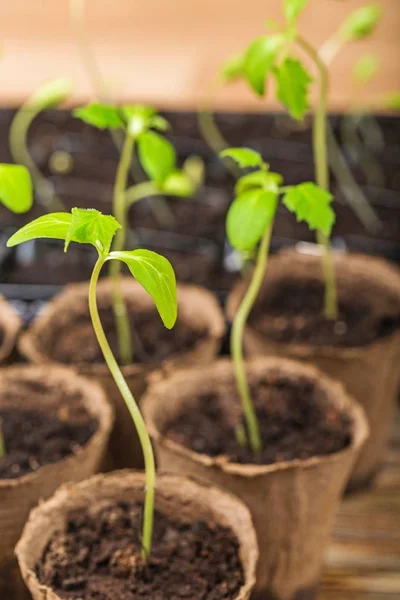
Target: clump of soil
(34, 437)
(97, 557)
(295, 420)
(292, 311)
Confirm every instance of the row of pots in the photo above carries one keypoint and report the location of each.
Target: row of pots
(292, 503)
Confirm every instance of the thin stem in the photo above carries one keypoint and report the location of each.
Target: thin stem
(19, 151)
(120, 212)
(3, 451)
(322, 174)
(140, 191)
(148, 455)
(237, 341)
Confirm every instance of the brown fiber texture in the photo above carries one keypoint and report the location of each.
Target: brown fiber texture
(292, 503)
(197, 308)
(18, 496)
(370, 373)
(177, 496)
(10, 324)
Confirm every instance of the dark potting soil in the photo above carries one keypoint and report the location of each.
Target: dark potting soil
(35, 437)
(295, 423)
(292, 312)
(97, 557)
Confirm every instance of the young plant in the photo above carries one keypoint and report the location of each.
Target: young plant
(49, 95)
(249, 226)
(16, 195)
(152, 271)
(141, 126)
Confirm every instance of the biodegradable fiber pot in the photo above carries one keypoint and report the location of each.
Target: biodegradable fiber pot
(65, 322)
(370, 372)
(10, 327)
(292, 502)
(177, 497)
(19, 495)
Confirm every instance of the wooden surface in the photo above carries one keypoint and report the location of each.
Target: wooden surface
(167, 52)
(363, 562)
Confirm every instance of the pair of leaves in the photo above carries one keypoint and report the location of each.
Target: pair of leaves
(311, 204)
(88, 226)
(137, 118)
(15, 188)
(361, 23)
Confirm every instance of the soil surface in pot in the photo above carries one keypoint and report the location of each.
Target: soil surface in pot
(97, 557)
(294, 420)
(35, 437)
(292, 311)
(72, 339)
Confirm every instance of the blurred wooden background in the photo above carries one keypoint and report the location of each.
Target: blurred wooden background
(166, 52)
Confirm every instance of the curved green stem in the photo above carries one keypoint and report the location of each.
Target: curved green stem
(322, 174)
(120, 212)
(237, 341)
(19, 151)
(148, 455)
(140, 191)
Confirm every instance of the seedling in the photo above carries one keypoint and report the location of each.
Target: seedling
(152, 271)
(249, 225)
(16, 195)
(156, 154)
(49, 95)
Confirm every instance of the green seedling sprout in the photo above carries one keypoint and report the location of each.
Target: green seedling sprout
(50, 95)
(16, 195)
(249, 226)
(141, 126)
(152, 271)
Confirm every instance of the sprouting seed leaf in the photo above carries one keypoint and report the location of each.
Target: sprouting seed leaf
(248, 217)
(51, 93)
(311, 204)
(361, 23)
(233, 68)
(102, 116)
(245, 157)
(292, 87)
(365, 68)
(194, 168)
(89, 226)
(293, 9)
(178, 183)
(260, 59)
(393, 101)
(138, 118)
(15, 188)
(258, 179)
(160, 123)
(156, 275)
(53, 225)
(156, 155)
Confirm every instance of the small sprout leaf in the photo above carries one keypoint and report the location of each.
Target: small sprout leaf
(311, 204)
(233, 68)
(365, 68)
(156, 155)
(51, 93)
(156, 275)
(248, 217)
(178, 183)
(245, 157)
(15, 188)
(53, 225)
(292, 87)
(259, 179)
(160, 123)
(139, 118)
(89, 226)
(293, 9)
(194, 168)
(361, 23)
(102, 116)
(260, 59)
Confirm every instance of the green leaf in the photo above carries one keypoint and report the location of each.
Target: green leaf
(156, 155)
(260, 59)
(194, 168)
(178, 183)
(259, 179)
(393, 101)
(361, 23)
(311, 204)
(293, 8)
(160, 123)
(102, 116)
(51, 93)
(248, 216)
(15, 188)
(233, 68)
(156, 275)
(138, 118)
(365, 68)
(89, 226)
(245, 157)
(292, 87)
(53, 225)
